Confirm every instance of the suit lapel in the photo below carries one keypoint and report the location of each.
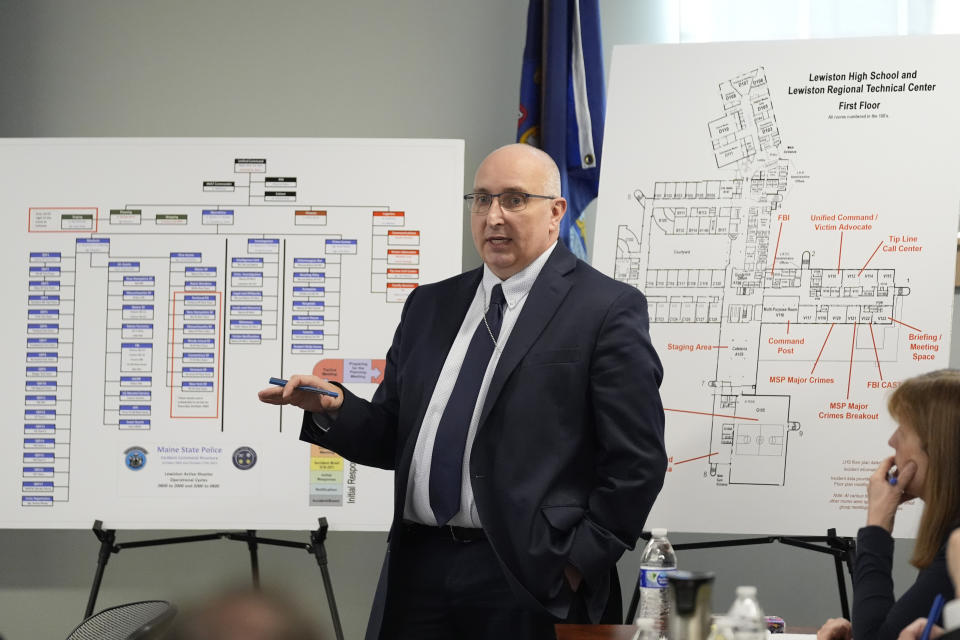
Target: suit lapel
(546, 295)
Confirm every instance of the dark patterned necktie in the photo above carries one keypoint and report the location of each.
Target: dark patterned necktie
(446, 463)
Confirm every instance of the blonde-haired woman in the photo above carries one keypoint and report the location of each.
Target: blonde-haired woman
(926, 448)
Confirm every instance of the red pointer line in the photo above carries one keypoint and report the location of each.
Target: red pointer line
(718, 415)
(788, 327)
(876, 355)
(841, 252)
(852, 345)
(905, 324)
(777, 248)
(697, 458)
(821, 348)
(871, 257)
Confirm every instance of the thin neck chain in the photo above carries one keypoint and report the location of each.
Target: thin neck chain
(496, 345)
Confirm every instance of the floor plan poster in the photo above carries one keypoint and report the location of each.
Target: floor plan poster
(790, 211)
(152, 287)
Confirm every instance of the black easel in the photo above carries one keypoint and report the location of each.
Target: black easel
(315, 547)
(842, 549)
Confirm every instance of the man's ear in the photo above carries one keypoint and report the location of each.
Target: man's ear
(557, 211)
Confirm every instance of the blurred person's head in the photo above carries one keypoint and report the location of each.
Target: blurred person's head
(244, 615)
(927, 411)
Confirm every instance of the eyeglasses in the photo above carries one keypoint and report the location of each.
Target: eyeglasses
(479, 203)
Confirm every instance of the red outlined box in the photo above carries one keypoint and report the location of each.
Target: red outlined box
(403, 237)
(398, 291)
(216, 363)
(316, 217)
(403, 256)
(388, 218)
(394, 273)
(96, 219)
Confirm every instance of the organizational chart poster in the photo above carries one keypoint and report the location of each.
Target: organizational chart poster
(152, 286)
(790, 211)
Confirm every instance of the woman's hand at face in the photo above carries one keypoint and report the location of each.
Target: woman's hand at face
(883, 498)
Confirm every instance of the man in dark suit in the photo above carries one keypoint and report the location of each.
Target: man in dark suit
(520, 409)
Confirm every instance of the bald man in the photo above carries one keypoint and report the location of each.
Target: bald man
(520, 409)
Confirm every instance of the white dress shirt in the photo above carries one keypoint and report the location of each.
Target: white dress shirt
(515, 289)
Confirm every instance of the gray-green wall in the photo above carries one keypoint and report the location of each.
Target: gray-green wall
(239, 68)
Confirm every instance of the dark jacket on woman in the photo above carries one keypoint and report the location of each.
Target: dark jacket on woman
(876, 614)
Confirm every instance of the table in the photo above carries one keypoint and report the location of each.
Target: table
(595, 631)
(626, 631)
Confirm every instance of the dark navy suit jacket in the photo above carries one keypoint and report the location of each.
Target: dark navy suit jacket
(568, 456)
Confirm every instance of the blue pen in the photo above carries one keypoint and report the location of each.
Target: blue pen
(932, 616)
(892, 475)
(280, 382)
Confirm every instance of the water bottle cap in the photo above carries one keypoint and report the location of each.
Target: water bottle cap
(659, 533)
(746, 592)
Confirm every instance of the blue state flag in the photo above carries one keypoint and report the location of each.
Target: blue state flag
(562, 101)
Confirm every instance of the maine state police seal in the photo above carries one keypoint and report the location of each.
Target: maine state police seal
(244, 458)
(135, 458)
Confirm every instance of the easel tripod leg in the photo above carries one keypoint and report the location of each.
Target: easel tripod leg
(841, 550)
(107, 537)
(319, 551)
(254, 559)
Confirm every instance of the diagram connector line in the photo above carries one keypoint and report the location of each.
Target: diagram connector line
(909, 326)
(822, 347)
(870, 258)
(840, 254)
(716, 415)
(776, 250)
(697, 458)
(853, 344)
(875, 354)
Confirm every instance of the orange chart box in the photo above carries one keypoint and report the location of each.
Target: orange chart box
(310, 217)
(398, 291)
(388, 218)
(403, 237)
(403, 256)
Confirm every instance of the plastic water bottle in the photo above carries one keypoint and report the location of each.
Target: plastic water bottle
(720, 629)
(746, 617)
(646, 629)
(657, 561)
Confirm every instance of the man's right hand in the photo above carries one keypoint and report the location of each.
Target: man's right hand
(306, 400)
(835, 629)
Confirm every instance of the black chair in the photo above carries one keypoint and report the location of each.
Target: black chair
(132, 621)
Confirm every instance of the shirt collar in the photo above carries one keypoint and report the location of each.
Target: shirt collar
(517, 286)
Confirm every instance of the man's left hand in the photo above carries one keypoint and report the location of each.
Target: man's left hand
(914, 631)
